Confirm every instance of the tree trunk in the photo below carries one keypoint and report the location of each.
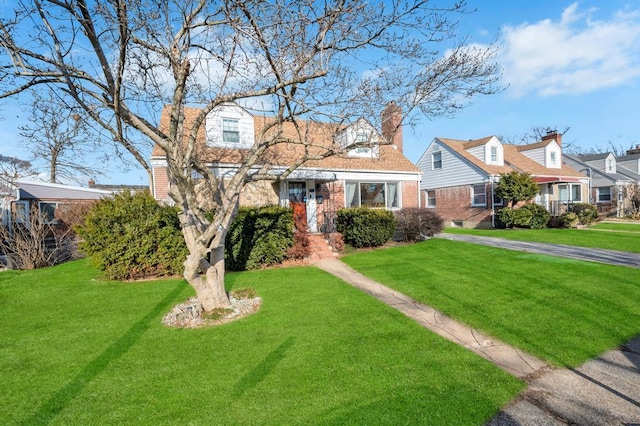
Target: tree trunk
(207, 278)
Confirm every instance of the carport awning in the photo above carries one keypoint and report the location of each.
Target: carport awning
(555, 179)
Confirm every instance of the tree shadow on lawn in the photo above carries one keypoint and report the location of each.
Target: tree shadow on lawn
(61, 399)
(262, 370)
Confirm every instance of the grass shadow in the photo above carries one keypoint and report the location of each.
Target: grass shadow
(262, 370)
(47, 411)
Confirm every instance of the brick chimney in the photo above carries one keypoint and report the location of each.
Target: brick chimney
(91, 183)
(553, 135)
(392, 125)
(635, 150)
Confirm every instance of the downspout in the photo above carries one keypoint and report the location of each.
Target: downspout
(493, 209)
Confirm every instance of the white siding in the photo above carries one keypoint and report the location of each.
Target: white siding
(537, 155)
(455, 171)
(478, 152)
(494, 142)
(213, 127)
(348, 137)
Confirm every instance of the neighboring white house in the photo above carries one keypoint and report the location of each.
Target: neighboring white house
(459, 177)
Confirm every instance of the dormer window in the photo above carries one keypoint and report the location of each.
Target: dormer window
(230, 130)
(552, 158)
(610, 165)
(362, 138)
(494, 154)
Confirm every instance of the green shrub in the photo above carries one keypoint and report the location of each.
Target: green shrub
(506, 216)
(131, 236)
(259, 236)
(532, 216)
(365, 227)
(568, 220)
(528, 216)
(417, 223)
(587, 213)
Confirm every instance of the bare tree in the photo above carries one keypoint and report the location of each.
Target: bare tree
(331, 61)
(12, 168)
(535, 134)
(58, 137)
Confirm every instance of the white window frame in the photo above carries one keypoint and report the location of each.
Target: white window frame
(569, 187)
(552, 158)
(227, 130)
(431, 200)
(25, 218)
(435, 162)
(610, 194)
(473, 195)
(43, 203)
(357, 194)
(494, 154)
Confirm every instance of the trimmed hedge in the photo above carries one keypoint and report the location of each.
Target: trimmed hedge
(365, 227)
(259, 236)
(531, 216)
(418, 223)
(131, 236)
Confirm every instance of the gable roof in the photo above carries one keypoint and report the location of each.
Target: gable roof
(284, 154)
(578, 159)
(594, 157)
(514, 160)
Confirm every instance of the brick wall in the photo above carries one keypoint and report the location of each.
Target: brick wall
(454, 204)
(410, 194)
(160, 183)
(259, 194)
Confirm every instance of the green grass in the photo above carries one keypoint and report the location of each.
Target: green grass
(562, 310)
(610, 226)
(80, 350)
(623, 241)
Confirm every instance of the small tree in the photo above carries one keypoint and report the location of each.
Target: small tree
(516, 186)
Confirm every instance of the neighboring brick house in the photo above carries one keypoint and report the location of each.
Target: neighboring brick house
(379, 176)
(608, 181)
(459, 177)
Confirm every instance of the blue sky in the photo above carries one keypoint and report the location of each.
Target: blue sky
(566, 64)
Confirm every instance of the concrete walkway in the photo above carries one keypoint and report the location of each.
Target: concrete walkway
(604, 391)
(581, 253)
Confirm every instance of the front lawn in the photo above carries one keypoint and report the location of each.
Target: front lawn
(617, 226)
(622, 241)
(562, 310)
(80, 350)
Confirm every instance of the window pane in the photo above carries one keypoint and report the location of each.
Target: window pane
(479, 195)
(437, 160)
(351, 195)
(431, 198)
(563, 194)
(576, 192)
(230, 130)
(48, 210)
(494, 154)
(392, 195)
(372, 194)
(604, 194)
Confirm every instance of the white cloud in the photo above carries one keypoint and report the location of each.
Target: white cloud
(575, 54)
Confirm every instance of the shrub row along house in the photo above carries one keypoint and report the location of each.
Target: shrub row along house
(459, 177)
(375, 173)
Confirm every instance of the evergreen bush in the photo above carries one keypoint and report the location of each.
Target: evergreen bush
(587, 213)
(258, 237)
(365, 227)
(131, 236)
(418, 223)
(568, 220)
(532, 216)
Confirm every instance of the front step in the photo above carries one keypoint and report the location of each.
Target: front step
(320, 248)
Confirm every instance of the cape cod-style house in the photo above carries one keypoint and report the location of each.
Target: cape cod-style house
(377, 175)
(459, 177)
